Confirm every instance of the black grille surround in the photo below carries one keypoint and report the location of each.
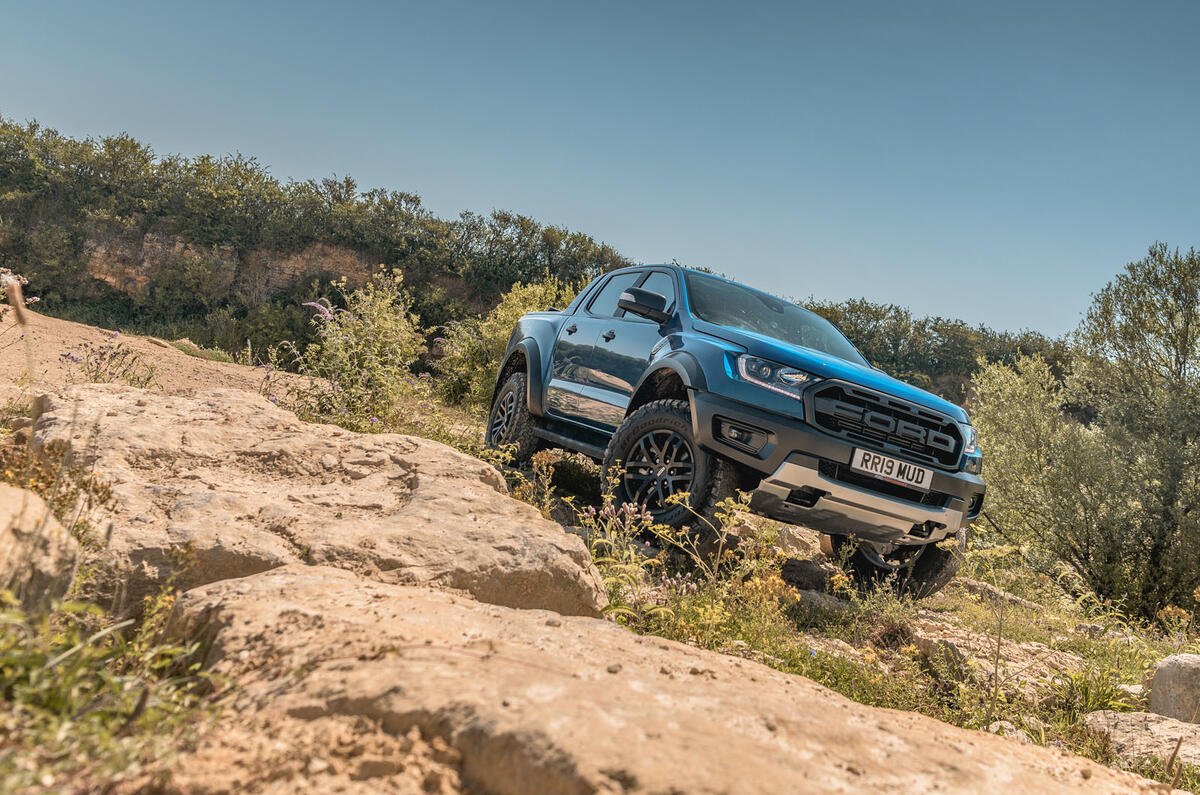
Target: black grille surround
(844, 474)
(884, 423)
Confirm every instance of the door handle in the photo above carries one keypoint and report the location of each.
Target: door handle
(571, 329)
(609, 335)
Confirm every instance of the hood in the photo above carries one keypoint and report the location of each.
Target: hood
(828, 366)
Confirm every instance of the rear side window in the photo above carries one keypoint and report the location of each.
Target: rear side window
(663, 284)
(605, 302)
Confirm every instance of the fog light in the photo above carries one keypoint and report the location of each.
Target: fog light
(749, 439)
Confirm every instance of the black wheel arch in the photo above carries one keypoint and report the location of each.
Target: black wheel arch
(525, 356)
(671, 377)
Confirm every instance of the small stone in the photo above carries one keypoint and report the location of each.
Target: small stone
(615, 668)
(328, 461)
(1175, 688)
(1090, 630)
(942, 657)
(356, 472)
(808, 575)
(317, 765)
(1035, 724)
(1135, 692)
(553, 622)
(1006, 728)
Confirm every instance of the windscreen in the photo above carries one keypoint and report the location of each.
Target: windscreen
(729, 304)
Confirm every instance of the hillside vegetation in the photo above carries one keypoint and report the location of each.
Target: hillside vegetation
(66, 204)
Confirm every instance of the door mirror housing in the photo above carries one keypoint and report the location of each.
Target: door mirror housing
(645, 303)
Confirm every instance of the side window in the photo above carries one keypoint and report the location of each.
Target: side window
(663, 284)
(605, 302)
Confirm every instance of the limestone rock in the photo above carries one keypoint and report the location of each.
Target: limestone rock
(942, 657)
(38, 556)
(509, 703)
(808, 575)
(989, 591)
(1006, 728)
(224, 484)
(1175, 688)
(1136, 735)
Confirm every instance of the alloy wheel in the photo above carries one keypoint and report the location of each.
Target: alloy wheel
(659, 464)
(502, 417)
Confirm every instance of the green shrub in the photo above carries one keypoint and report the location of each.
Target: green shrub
(359, 363)
(473, 347)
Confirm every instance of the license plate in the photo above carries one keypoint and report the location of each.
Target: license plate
(891, 469)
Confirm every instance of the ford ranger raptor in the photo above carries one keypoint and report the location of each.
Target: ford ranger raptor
(680, 381)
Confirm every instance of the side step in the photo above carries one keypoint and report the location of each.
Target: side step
(571, 443)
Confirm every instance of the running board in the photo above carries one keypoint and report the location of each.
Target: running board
(592, 450)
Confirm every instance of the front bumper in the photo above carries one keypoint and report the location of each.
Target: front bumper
(807, 481)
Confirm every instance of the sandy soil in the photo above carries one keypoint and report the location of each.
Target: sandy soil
(31, 359)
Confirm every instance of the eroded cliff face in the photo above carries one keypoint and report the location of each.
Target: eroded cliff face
(131, 264)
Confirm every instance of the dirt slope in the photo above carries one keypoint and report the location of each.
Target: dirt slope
(31, 361)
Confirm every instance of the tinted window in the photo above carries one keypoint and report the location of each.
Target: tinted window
(605, 302)
(735, 305)
(663, 284)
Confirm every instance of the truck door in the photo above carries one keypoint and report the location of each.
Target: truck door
(624, 347)
(571, 393)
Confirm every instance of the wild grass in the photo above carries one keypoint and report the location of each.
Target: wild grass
(87, 701)
(109, 362)
(200, 352)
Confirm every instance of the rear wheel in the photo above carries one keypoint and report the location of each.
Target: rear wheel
(509, 424)
(654, 456)
(917, 570)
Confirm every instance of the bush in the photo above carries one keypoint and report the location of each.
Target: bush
(361, 359)
(1098, 471)
(473, 347)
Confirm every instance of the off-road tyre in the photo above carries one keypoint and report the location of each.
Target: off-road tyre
(932, 570)
(713, 478)
(510, 425)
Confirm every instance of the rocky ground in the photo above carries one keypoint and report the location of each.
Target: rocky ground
(385, 618)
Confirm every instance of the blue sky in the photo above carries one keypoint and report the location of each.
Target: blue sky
(997, 162)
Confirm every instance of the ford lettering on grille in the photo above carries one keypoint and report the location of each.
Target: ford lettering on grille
(885, 423)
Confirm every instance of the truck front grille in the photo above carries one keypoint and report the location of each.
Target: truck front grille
(886, 424)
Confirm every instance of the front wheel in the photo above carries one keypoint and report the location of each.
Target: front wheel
(917, 570)
(510, 424)
(653, 457)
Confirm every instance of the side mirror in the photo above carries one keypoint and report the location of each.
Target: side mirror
(645, 303)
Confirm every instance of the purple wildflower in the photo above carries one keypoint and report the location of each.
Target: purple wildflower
(320, 307)
(373, 419)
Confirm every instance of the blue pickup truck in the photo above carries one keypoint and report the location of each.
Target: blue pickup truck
(680, 381)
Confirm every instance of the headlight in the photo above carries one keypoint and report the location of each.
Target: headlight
(776, 377)
(970, 438)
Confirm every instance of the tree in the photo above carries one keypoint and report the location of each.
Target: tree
(1139, 372)
(1112, 498)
